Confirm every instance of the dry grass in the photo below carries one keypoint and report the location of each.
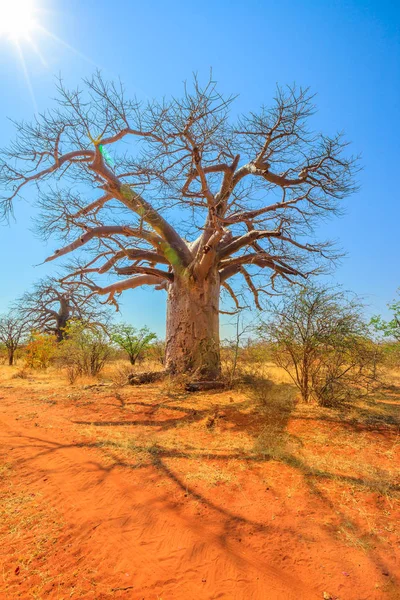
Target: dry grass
(259, 422)
(341, 456)
(23, 373)
(34, 527)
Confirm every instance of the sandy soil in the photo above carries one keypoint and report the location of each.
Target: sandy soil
(150, 494)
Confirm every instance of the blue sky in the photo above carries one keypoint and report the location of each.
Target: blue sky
(347, 52)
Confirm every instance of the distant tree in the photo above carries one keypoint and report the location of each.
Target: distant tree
(49, 307)
(389, 329)
(13, 332)
(133, 341)
(177, 196)
(156, 351)
(84, 350)
(321, 340)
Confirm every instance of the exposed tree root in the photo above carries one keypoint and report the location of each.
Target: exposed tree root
(192, 386)
(147, 377)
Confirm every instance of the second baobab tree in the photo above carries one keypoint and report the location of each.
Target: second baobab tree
(176, 196)
(49, 307)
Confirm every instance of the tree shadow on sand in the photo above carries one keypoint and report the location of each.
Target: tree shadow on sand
(264, 415)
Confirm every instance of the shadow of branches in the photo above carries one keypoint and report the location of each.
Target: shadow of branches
(264, 414)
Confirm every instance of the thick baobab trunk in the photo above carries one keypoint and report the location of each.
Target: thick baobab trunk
(192, 341)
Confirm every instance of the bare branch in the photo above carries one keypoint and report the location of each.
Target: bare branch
(106, 231)
(133, 254)
(144, 270)
(251, 286)
(246, 240)
(232, 294)
(128, 284)
(249, 194)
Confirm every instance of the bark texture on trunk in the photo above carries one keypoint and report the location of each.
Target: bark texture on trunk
(62, 322)
(192, 340)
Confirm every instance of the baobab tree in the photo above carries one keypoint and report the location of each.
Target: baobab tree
(175, 195)
(48, 307)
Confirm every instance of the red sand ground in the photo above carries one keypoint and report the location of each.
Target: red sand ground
(83, 519)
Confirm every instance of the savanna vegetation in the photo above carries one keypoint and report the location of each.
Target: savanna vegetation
(277, 448)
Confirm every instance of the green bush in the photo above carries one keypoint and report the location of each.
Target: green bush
(84, 351)
(133, 341)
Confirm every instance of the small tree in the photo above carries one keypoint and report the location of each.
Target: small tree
(132, 340)
(85, 349)
(319, 337)
(12, 334)
(389, 329)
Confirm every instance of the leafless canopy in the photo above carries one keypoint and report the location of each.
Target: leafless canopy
(130, 184)
(48, 307)
(13, 332)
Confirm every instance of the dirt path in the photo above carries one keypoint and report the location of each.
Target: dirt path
(108, 529)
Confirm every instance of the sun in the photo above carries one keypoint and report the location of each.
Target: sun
(22, 26)
(17, 19)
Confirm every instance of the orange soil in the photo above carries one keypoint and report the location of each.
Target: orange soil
(88, 520)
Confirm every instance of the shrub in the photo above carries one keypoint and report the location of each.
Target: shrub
(319, 337)
(390, 353)
(21, 374)
(255, 351)
(389, 329)
(84, 351)
(40, 350)
(3, 354)
(156, 351)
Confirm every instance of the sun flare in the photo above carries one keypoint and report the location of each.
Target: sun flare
(17, 19)
(23, 25)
